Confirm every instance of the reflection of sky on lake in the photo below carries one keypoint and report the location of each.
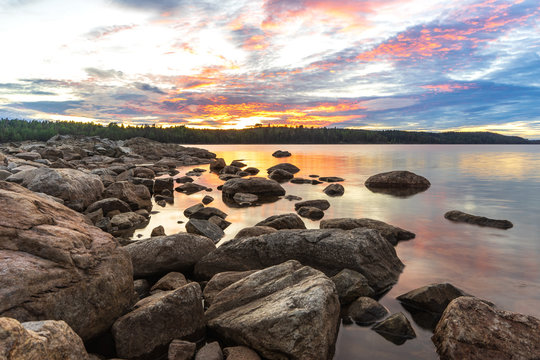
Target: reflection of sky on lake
(501, 182)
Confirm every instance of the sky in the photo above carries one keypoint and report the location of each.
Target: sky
(438, 65)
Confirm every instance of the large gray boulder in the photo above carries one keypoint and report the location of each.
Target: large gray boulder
(329, 250)
(391, 233)
(161, 254)
(287, 311)
(147, 331)
(51, 340)
(472, 329)
(255, 185)
(56, 265)
(78, 189)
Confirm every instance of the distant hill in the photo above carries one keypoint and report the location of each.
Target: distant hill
(19, 130)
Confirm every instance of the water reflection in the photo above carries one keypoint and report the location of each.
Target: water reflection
(501, 182)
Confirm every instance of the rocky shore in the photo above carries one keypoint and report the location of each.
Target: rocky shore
(75, 285)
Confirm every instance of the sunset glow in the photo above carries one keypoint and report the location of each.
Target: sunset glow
(388, 64)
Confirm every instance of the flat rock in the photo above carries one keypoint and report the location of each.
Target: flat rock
(331, 179)
(365, 310)
(284, 311)
(190, 188)
(50, 340)
(433, 298)
(78, 189)
(334, 190)
(147, 331)
(391, 233)
(395, 328)
(311, 213)
(221, 281)
(319, 204)
(56, 265)
(184, 179)
(255, 185)
(178, 252)
(459, 216)
(283, 221)
(299, 180)
(284, 166)
(254, 231)
(351, 285)
(330, 251)
(281, 153)
(136, 196)
(205, 228)
(397, 179)
(472, 329)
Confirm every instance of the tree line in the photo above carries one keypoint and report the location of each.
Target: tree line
(19, 130)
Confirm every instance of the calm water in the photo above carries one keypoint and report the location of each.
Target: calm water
(501, 182)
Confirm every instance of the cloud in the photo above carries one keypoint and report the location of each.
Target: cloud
(103, 74)
(104, 31)
(148, 87)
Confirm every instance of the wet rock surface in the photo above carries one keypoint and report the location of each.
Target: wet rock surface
(458, 216)
(391, 233)
(472, 329)
(395, 328)
(334, 190)
(433, 298)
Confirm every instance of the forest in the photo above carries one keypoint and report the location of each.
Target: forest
(13, 130)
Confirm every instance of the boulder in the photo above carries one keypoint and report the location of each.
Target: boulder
(162, 184)
(227, 177)
(141, 287)
(391, 233)
(284, 311)
(459, 216)
(127, 220)
(331, 179)
(56, 265)
(334, 190)
(178, 252)
(283, 221)
(284, 166)
(184, 179)
(181, 350)
(78, 189)
(4, 174)
(245, 199)
(299, 180)
(472, 329)
(217, 164)
(205, 228)
(255, 185)
(240, 353)
(311, 213)
(136, 196)
(221, 281)
(351, 285)
(147, 331)
(238, 164)
(319, 204)
(292, 198)
(330, 251)
(207, 212)
(365, 310)
(171, 281)
(251, 170)
(158, 231)
(210, 351)
(280, 175)
(254, 231)
(433, 298)
(193, 209)
(207, 199)
(222, 223)
(107, 205)
(395, 328)
(231, 170)
(281, 153)
(50, 340)
(397, 179)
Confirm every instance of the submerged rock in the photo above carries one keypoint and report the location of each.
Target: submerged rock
(459, 216)
(284, 166)
(147, 331)
(190, 188)
(56, 265)
(391, 233)
(281, 153)
(395, 328)
(255, 185)
(472, 329)
(365, 310)
(320, 204)
(330, 251)
(283, 221)
(310, 212)
(351, 285)
(51, 340)
(331, 179)
(280, 175)
(334, 190)
(433, 298)
(285, 311)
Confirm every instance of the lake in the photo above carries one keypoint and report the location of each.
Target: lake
(496, 181)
